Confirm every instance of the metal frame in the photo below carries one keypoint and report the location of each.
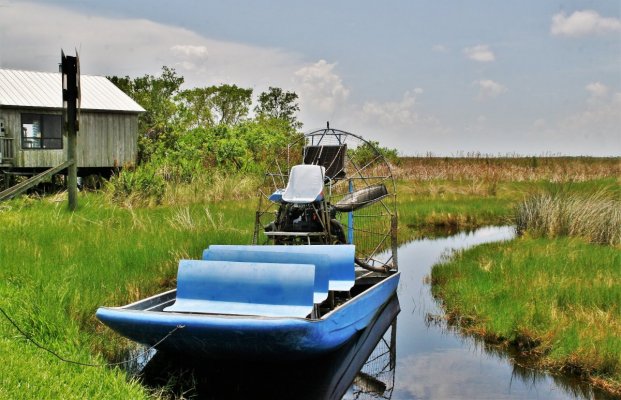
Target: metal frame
(376, 225)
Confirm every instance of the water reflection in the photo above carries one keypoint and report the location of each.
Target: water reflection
(376, 378)
(368, 361)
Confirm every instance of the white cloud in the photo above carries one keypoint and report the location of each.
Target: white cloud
(597, 89)
(397, 124)
(489, 89)
(460, 373)
(320, 88)
(480, 53)
(190, 51)
(539, 124)
(583, 23)
(597, 123)
(401, 113)
(134, 47)
(602, 114)
(190, 57)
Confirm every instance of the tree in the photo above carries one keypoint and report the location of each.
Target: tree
(156, 96)
(276, 103)
(195, 108)
(371, 152)
(230, 104)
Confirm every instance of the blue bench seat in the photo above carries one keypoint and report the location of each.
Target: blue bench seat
(244, 288)
(339, 265)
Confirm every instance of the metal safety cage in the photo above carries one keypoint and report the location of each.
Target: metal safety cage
(359, 203)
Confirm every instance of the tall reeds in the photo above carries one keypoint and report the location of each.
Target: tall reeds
(485, 168)
(596, 217)
(147, 186)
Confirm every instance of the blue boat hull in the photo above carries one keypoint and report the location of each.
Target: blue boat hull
(221, 335)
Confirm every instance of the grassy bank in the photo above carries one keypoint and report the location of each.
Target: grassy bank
(58, 267)
(557, 299)
(552, 293)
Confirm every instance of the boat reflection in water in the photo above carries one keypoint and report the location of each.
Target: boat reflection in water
(365, 364)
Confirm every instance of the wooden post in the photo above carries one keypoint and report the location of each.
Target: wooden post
(71, 95)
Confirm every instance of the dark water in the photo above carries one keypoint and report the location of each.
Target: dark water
(400, 356)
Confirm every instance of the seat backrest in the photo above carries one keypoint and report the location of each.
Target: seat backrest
(332, 157)
(251, 254)
(243, 288)
(341, 273)
(305, 184)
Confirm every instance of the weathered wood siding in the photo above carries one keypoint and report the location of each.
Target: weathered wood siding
(104, 140)
(107, 140)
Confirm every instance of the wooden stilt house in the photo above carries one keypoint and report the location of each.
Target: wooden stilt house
(31, 132)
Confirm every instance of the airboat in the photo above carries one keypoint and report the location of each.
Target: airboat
(321, 266)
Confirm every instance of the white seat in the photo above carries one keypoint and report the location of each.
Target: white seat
(305, 184)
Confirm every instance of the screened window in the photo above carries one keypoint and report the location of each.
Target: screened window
(41, 131)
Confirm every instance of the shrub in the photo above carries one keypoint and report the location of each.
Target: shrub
(596, 217)
(370, 152)
(142, 184)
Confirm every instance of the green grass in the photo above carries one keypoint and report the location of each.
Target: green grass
(559, 299)
(57, 267)
(429, 207)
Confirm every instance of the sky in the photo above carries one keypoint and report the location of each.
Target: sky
(442, 77)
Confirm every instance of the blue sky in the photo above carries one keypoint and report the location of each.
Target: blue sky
(449, 77)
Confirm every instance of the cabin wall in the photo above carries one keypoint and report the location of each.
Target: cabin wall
(105, 140)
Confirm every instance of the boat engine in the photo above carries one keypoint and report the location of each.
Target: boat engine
(309, 218)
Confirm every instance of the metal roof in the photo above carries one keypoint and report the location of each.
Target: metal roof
(44, 89)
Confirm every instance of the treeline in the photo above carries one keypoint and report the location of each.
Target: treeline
(196, 136)
(208, 124)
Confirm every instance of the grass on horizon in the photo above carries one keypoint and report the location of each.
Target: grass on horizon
(480, 167)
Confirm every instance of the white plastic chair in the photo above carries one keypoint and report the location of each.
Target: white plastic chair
(305, 184)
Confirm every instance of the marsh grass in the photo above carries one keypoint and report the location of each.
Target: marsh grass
(426, 206)
(552, 294)
(595, 216)
(490, 169)
(556, 299)
(142, 187)
(57, 267)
